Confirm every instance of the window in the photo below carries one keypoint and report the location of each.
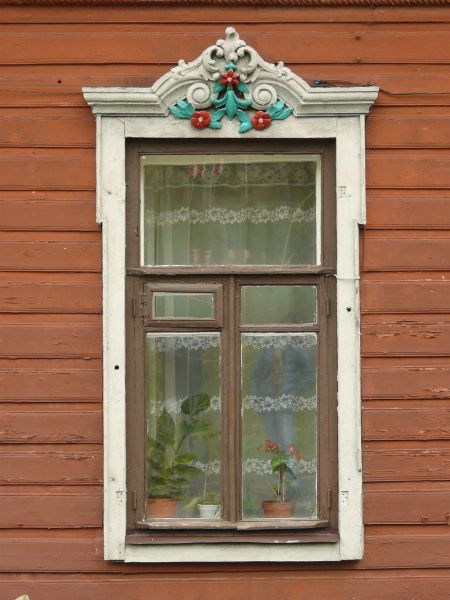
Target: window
(231, 260)
(216, 308)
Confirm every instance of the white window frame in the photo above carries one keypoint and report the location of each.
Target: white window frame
(319, 113)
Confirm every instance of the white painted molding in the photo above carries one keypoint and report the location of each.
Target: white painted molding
(333, 113)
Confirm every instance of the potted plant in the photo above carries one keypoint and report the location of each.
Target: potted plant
(281, 464)
(208, 503)
(170, 464)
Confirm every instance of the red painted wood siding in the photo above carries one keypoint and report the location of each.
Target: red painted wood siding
(50, 294)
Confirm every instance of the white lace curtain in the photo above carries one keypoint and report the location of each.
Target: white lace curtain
(235, 209)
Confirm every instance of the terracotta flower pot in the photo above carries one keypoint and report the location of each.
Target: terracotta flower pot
(278, 510)
(161, 508)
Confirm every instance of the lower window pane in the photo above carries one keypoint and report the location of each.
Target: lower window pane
(183, 425)
(279, 446)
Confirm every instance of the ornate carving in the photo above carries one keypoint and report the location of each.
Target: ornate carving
(229, 66)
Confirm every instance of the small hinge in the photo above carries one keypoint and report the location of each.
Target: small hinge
(328, 307)
(329, 498)
(134, 500)
(140, 306)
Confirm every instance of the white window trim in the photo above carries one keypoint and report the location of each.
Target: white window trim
(319, 113)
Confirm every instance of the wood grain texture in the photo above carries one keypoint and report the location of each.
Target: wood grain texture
(406, 503)
(390, 253)
(55, 465)
(50, 340)
(416, 381)
(406, 424)
(405, 297)
(383, 462)
(55, 507)
(49, 424)
(50, 276)
(54, 384)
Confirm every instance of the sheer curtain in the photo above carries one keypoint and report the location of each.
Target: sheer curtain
(230, 209)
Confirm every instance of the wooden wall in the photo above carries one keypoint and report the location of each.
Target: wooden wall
(50, 294)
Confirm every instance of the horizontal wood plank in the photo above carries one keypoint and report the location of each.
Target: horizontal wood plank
(406, 382)
(406, 464)
(419, 171)
(55, 132)
(50, 256)
(144, 47)
(61, 510)
(408, 504)
(48, 215)
(406, 254)
(50, 425)
(406, 297)
(230, 585)
(406, 423)
(412, 212)
(50, 340)
(34, 385)
(40, 172)
(50, 296)
(406, 338)
(56, 465)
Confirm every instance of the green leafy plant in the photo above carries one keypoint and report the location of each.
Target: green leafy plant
(281, 464)
(170, 464)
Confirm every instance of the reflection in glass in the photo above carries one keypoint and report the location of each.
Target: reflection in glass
(183, 423)
(180, 305)
(279, 445)
(278, 304)
(230, 209)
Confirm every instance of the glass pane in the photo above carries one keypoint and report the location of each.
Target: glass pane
(279, 304)
(178, 305)
(231, 209)
(183, 425)
(279, 445)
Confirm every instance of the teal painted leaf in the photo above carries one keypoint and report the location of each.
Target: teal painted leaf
(243, 88)
(217, 116)
(178, 113)
(218, 87)
(217, 102)
(243, 103)
(182, 109)
(215, 125)
(283, 114)
(245, 127)
(243, 117)
(186, 107)
(231, 105)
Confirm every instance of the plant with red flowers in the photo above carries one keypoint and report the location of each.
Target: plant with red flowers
(281, 464)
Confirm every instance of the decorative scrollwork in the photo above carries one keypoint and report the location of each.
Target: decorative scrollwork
(199, 94)
(263, 95)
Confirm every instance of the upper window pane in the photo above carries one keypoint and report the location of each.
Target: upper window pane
(176, 305)
(240, 209)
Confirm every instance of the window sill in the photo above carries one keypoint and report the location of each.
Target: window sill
(230, 537)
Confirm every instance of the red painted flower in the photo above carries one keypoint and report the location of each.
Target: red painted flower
(298, 456)
(261, 120)
(201, 119)
(230, 78)
(291, 448)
